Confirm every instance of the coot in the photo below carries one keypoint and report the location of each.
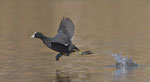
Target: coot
(62, 42)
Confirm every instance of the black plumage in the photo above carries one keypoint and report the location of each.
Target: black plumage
(62, 42)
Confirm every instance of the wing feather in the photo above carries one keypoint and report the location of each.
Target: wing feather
(67, 26)
(65, 32)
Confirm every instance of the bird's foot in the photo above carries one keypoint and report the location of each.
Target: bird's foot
(86, 53)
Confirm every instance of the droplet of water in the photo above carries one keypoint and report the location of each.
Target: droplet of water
(122, 61)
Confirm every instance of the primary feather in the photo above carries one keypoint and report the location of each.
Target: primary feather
(65, 32)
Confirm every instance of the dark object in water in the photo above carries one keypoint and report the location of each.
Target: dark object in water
(86, 52)
(62, 42)
(122, 61)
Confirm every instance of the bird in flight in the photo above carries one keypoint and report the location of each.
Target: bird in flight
(62, 41)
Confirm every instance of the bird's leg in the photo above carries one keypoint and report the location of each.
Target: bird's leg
(57, 56)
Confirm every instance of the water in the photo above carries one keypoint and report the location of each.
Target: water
(102, 26)
(124, 65)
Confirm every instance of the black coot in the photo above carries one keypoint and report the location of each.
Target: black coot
(62, 42)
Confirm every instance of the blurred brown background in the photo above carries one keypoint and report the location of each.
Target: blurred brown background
(102, 26)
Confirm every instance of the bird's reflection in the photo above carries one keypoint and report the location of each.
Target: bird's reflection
(62, 77)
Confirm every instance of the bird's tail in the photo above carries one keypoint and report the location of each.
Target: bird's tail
(73, 48)
(76, 49)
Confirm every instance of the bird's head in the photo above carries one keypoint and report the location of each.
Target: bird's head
(37, 35)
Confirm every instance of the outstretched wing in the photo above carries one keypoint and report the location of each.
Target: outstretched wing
(67, 26)
(65, 32)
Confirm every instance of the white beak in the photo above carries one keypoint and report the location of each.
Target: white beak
(33, 35)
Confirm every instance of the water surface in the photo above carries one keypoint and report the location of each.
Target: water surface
(102, 26)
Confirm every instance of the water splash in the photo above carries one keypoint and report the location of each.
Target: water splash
(122, 61)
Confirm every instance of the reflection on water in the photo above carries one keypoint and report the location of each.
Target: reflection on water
(100, 26)
(62, 77)
(124, 71)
